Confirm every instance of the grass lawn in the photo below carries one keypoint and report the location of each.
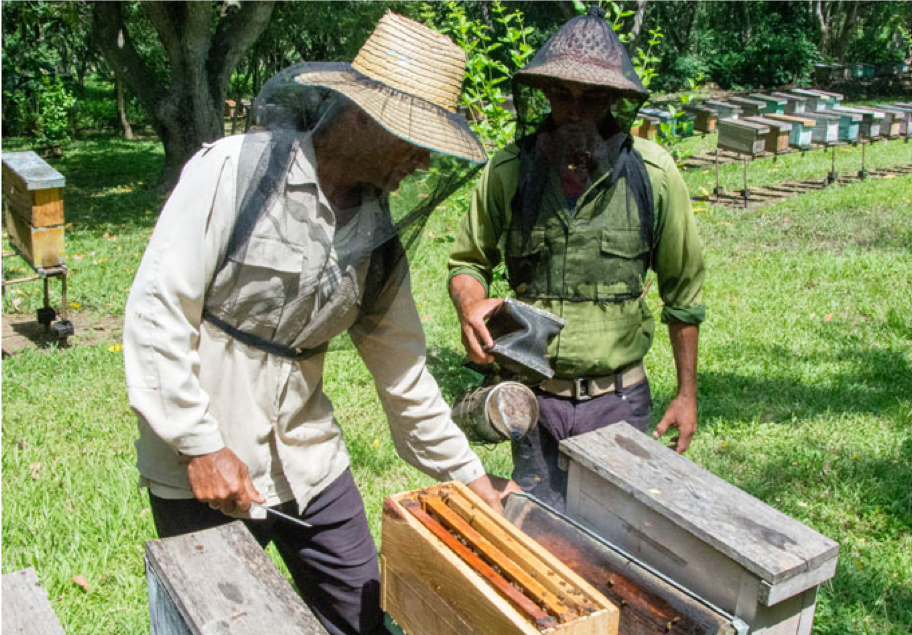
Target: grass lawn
(805, 383)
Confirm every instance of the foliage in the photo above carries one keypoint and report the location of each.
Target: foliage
(54, 106)
(493, 54)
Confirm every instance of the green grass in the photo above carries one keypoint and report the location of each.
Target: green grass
(805, 385)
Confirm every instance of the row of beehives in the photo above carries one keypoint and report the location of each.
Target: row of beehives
(781, 121)
(858, 70)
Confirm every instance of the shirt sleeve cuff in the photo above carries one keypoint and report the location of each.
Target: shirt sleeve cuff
(470, 272)
(685, 315)
(467, 473)
(198, 445)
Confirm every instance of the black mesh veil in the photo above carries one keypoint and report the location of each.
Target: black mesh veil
(295, 264)
(587, 54)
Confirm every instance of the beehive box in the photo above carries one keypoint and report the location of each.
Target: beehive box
(777, 139)
(826, 128)
(648, 127)
(774, 103)
(833, 99)
(33, 202)
(704, 118)
(869, 125)
(452, 566)
(889, 125)
(724, 109)
(750, 107)
(794, 104)
(724, 545)
(743, 137)
(903, 115)
(815, 101)
(849, 124)
(800, 134)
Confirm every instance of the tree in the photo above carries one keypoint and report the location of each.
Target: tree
(184, 90)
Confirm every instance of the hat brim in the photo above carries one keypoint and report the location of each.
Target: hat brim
(562, 71)
(410, 118)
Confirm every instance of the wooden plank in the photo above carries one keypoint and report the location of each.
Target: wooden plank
(523, 554)
(414, 558)
(221, 580)
(26, 609)
(761, 539)
(32, 171)
(43, 247)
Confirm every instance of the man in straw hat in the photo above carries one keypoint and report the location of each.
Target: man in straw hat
(581, 212)
(272, 243)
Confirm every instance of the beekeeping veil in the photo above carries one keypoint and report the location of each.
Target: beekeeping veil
(588, 53)
(295, 264)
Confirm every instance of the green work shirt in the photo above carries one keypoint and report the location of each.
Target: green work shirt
(599, 337)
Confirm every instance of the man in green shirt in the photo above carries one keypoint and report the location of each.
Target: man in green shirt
(581, 211)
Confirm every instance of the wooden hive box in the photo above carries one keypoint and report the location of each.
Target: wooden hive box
(33, 202)
(815, 101)
(663, 116)
(777, 139)
(719, 542)
(492, 578)
(833, 99)
(724, 109)
(849, 124)
(648, 127)
(26, 609)
(800, 134)
(220, 580)
(743, 137)
(871, 120)
(903, 115)
(750, 107)
(826, 128)
(774, 103)
(704, 118)
(890, 125)
(794, 104)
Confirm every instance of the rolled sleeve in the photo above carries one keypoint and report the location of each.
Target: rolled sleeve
(422, 429)
(679, 253)
(475, 251)
(164, 310)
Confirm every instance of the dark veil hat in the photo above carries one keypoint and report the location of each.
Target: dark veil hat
(588, 51)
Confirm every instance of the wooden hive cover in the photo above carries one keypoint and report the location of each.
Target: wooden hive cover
(773, 546)
(32, 170)
(793, 119)
(766, 120)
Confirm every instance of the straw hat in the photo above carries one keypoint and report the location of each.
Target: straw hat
(585, 50)
(408, 78)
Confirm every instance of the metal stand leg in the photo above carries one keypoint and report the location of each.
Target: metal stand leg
(832, 176)
(863, 173)
(46, 314)
(745, 193)
(718, 189)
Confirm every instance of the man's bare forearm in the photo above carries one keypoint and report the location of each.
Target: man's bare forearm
(684, 345)
(465, 291)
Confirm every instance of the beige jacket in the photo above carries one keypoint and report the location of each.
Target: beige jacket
(196, 390)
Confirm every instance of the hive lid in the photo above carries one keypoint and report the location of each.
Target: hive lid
(33, 170)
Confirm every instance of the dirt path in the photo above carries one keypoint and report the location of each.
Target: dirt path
(22, 331)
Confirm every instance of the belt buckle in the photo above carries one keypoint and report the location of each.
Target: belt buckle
(581, 389)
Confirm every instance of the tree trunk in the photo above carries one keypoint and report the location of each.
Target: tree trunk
(637, 27)
(747, 29)
(186, 109)
(122, 111)
(823, 22)
(842, 43)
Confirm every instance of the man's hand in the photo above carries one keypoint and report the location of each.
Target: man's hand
(473, 308)
(493, 489)
(681, 414)
(221, 479)
(476, 338)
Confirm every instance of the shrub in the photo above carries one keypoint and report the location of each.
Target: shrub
(54, 105)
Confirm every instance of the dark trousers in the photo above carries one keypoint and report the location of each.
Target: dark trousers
(535, 457)
(334, 563)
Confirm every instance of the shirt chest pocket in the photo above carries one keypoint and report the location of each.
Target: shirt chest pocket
(621, 265)
(267, 276)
